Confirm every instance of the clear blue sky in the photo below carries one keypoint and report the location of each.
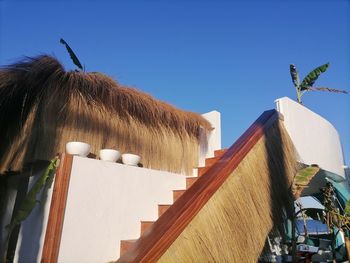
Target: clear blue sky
(231, 56)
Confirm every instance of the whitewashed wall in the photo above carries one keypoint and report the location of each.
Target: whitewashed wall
(211, 142)
(315, 139)
(106, 202)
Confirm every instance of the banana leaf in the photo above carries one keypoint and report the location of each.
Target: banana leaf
(347, 208)
(30, 200)
(294, 74)
(302, 179)
(72, 55)
(327, 89)
(310, 79)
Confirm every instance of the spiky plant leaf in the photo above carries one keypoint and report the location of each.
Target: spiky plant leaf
(327, 89)
(30, 201)
(303, 178)
(294, 74)
(310, 79)
(347, 208)
(72, 55)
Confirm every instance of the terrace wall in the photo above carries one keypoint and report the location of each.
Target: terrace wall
(316, 140)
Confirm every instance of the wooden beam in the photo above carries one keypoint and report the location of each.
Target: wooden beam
(57, 210)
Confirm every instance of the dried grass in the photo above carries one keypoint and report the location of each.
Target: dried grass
(234, 224)
(42, 107)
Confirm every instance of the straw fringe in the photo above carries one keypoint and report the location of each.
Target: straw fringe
(42, 107)
(234, 224)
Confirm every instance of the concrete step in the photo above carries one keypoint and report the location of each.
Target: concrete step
(219, 153)
(125, 245)
(190, 181)
(145, 225)
(162, 208)
(211, 161)
(202, 170)
(177, 194)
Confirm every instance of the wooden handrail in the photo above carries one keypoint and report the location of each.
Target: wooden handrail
(159, 237)
(57, 210)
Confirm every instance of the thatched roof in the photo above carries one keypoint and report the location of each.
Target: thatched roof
(42, 107)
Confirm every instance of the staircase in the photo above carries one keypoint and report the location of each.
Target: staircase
(125, 245)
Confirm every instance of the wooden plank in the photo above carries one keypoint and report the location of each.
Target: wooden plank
(151, 246)
(57, 210)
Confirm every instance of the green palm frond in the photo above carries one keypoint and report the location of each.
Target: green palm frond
(310, 79)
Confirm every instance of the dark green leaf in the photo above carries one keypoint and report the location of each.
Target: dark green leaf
(72, 54)
(30, 201)
(310, 79)
(294, 75)
(347, 208)
(305, 175)
(303, 178)
(327, 89)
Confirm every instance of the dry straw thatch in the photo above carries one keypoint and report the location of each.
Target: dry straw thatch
(42, 107)
(234, 223)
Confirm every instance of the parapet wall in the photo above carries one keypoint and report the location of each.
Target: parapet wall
(208, 145)
(316, 140)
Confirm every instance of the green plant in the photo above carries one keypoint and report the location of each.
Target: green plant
(309, 81)
(303, 178)
(347, 208)
(30, 200)
(72, 55)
